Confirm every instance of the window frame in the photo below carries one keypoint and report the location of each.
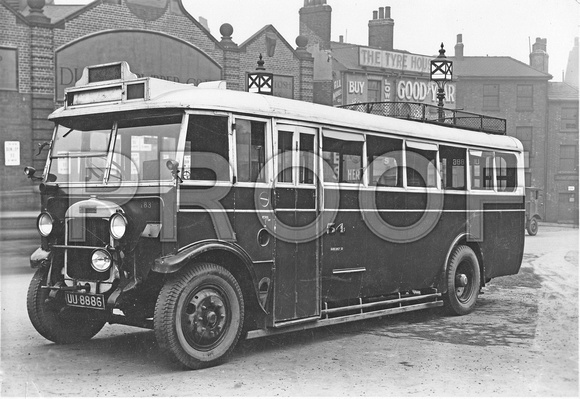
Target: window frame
(268, 172)
(573, 159)
(565, 118)
(472, 152)
(347, 136)
(297, 131)
(503, 155)
(367, 177)
(465, 165)
(422, 146)
(486, 95)
(527, 105)
(378, 91)
(231, 151)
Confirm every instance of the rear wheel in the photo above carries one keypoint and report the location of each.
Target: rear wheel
(463, 281)
(532, 226)
(53, 319)
(199, 315)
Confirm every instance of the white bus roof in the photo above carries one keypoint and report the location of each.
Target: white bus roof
(189, 97)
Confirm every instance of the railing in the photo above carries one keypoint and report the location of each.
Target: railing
(432, 114)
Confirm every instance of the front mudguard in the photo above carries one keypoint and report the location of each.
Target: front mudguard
(40, 258)
(173, 263)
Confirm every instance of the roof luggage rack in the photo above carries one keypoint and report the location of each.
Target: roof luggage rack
(431, 114)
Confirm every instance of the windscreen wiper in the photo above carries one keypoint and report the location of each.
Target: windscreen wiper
(67, 133)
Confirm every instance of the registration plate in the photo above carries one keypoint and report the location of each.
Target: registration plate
(81, 300)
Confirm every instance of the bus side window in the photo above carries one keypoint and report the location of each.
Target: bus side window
(384, 160)
(453, 167)
(285, 156)
(251, 150)
(506, 171)
(306, 159)
(344, 157)
(209, 134)
(481, 167)
(421, 164)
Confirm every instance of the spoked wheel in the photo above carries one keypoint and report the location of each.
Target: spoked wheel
(463, 281)
(53, 319)
(532, 227)
(199, 315)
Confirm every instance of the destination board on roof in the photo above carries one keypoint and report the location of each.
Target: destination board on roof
(369, 57)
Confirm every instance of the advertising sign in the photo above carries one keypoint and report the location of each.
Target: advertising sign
(356, 89)
(12, 153)
(337, 91)
(151, 54)
(423, 91)
(406, 62)
(284, 86)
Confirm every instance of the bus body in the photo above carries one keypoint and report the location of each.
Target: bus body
(207, 214)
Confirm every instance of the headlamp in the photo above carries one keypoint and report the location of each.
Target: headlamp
(44, 223)
(117, 226)
(101, 260)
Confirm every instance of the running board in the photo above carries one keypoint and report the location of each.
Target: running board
(344, 319)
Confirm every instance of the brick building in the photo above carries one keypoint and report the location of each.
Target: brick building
(507, 88)
(540, 113)
(561, 196)
(44, 48)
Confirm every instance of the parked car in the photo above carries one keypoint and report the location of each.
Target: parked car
(533, 205)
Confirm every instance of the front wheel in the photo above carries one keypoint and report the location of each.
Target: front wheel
(199, 315)
(463, 281)
(53, 319)
(532, 226)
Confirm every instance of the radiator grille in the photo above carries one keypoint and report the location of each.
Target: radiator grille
(86, 232)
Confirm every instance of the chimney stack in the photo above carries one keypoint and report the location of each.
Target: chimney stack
(381, 29)
(539, 57)
(315, 22)
(459, 47)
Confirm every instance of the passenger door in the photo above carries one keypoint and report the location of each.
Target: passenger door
(296, 208)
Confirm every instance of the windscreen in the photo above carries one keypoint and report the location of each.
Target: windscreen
(79, 155)
(140, 149)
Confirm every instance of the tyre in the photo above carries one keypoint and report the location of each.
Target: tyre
(463, 281)
(532, 226)
(199, 315)
(53, 319)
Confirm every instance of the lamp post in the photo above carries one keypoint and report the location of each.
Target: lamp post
(260, 82)
(441, 73)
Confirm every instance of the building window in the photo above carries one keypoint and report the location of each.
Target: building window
(374, 91)
(491, 97)
(569, 119)
(568, 158)
(525, 98)
(524, 134)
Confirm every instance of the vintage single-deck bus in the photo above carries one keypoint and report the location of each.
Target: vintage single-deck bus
(209, 215)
